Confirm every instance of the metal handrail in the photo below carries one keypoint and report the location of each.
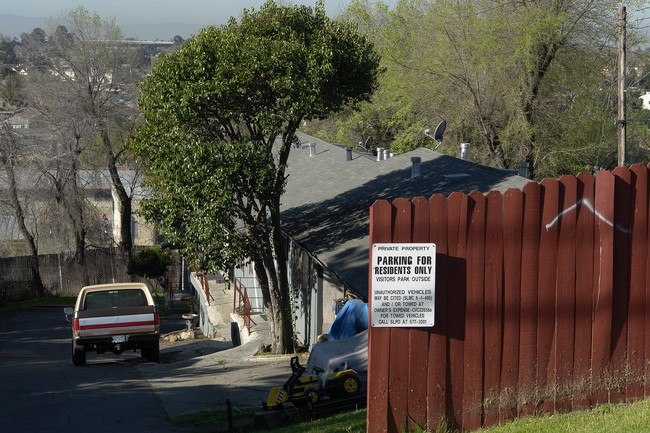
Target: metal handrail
(241, 303)
(203, 280)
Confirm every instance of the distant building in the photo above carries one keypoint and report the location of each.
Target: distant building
(646, 101)
(18, 122)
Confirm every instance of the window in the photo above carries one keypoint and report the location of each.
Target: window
(114, 299)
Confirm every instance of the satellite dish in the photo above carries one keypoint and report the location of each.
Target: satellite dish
(440, 129)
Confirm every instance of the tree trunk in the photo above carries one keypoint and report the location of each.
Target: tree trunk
(36, 274)
(275, 279)
(77, 206)
(285, 339)
(122, 200)
(19, 214)
(122, 220)
(271, 265)
(76, 213)
(282, 323)
(545, 54)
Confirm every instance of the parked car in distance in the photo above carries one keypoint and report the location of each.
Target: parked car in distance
(114, 318)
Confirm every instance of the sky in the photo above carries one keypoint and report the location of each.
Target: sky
(201, 12)
(132, 14)
(139, 18)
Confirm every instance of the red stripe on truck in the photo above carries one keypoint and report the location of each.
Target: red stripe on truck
(117, 325)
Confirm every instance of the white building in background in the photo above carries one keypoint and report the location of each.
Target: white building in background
(646, 101)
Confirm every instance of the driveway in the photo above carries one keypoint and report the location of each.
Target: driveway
(43, 392)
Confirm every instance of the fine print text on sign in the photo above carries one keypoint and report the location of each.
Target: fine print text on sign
(403, 285)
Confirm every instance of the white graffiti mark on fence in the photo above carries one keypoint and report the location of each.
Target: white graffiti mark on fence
(587, 203)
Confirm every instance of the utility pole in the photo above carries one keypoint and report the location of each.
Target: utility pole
(621, 86)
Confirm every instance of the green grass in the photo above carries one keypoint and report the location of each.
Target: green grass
(347, 422)
(11, 308)
(204, 421)
(607, 418)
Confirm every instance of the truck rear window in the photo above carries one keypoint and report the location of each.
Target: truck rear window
(114, 299)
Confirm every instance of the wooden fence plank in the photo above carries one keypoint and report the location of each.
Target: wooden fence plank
(585, 256)
(419, 337)
(493, 310)
(456, 297)
(381, 219)
(474, 326)
(621, 294)
(639, 252)
(646, 390)
(565, 293)
(551, 213)
(604, 279)
(438, 385)
(527, 388)
(399, 337)
(513, 212)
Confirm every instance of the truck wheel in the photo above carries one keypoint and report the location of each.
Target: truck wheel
(152, 353)
(78, 354)
(349, 386)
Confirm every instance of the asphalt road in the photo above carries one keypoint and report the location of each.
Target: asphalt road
(41, 391)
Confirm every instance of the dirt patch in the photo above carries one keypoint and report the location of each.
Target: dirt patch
(181, 338)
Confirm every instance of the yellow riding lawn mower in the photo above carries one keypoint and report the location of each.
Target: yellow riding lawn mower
(305, 390)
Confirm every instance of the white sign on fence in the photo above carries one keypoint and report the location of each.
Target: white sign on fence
(403, 285)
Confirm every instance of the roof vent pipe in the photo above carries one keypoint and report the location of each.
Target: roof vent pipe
(312, 149)
(380, 153)
(523, 169)
(386, 153)
(348, 153)
(415, 169)
(464, 151)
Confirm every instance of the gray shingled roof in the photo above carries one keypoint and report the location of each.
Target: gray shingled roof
(326, 206)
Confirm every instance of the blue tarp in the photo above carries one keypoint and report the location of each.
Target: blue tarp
(352, 319)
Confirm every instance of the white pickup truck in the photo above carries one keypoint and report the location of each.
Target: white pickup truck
(114, 318)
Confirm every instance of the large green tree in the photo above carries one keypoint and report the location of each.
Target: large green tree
(220, 116)
(521, 81)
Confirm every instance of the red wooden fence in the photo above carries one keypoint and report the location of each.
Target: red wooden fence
(542, 304)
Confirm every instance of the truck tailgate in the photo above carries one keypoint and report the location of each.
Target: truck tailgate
(114, 321)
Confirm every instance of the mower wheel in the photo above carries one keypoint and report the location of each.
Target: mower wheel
(312, 394)
(349, 385)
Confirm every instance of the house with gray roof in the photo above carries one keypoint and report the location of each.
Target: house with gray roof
(325, 214)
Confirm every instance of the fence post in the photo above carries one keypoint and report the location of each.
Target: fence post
(378, 338)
